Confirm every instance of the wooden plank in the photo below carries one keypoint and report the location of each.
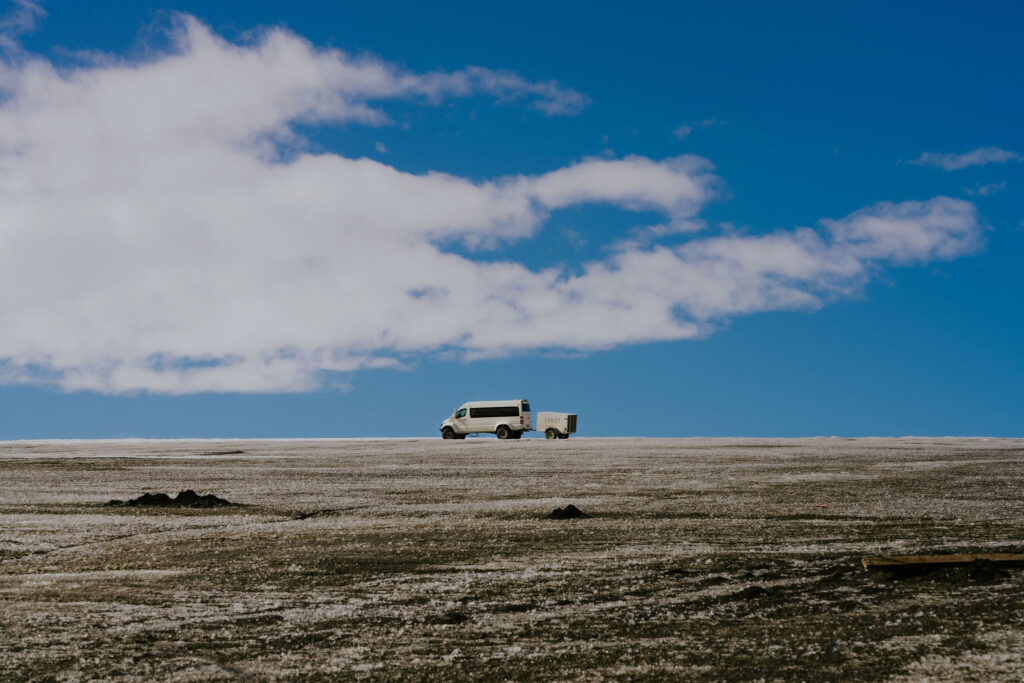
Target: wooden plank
(937, 561)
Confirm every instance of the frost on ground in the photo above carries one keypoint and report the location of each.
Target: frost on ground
(703, 559)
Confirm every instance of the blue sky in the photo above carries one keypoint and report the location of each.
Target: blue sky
(293, 220)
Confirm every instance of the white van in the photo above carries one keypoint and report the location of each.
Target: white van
(506, 419)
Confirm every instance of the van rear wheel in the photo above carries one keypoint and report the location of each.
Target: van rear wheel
(503, 432)
(551, 434)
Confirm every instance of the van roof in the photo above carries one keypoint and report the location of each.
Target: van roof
(507, 402)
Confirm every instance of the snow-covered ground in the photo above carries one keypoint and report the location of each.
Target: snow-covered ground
(704, 558)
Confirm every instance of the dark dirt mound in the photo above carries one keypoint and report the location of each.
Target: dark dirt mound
(568, 512)
(449, 617)
(235, 452)
(751, 592)
(186, 499)
(978, 571)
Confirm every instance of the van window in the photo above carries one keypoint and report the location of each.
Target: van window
(526, 406)
(497, 411)
(461, 413)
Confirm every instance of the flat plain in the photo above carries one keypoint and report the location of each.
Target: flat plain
(703, 559)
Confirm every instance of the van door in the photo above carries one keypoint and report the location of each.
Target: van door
(460, 421)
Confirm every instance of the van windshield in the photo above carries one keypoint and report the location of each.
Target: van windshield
(526, 406)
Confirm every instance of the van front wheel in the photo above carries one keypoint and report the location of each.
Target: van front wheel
(503, 432)
(447, 433)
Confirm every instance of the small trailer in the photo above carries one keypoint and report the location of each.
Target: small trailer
(556, 425)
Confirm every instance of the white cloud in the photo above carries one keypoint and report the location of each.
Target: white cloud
(684, 130)
(154, 237)
(380, 147)
(22, 18)
(956, 162)
(716, 277)
(678, 186)
(549, 97)
(986, 190)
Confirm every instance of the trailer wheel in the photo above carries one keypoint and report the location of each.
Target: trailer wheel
(447, 433)
(550, 434)
(563, 436)
(503, 432)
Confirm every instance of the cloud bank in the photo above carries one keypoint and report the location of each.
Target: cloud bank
(978, 157)
(154, 235)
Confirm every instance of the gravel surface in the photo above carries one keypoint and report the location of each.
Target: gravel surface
(426, 559)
